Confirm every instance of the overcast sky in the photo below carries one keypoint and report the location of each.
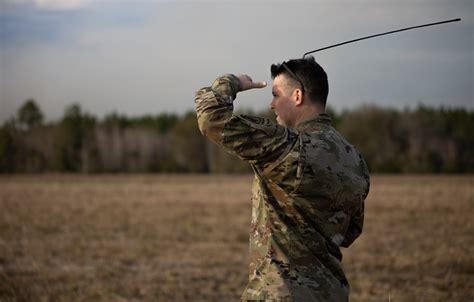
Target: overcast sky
(147, 57)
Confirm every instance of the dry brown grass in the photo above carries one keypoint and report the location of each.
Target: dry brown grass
(184, 238)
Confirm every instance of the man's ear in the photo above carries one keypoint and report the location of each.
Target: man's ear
(298, 97)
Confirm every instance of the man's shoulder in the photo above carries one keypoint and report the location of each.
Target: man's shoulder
(328, 138)
(329, 151)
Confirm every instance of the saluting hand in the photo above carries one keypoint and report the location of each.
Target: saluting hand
(247, 83)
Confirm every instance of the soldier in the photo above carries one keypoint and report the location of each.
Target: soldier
(309, 187)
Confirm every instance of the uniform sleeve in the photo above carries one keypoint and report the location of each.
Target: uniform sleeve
(355, 226)
(254, 139)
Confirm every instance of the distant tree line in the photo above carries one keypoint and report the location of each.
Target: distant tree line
(421, 140)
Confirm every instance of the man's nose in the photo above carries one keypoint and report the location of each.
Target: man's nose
(271, 105)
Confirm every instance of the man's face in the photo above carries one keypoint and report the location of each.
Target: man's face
(283, 103)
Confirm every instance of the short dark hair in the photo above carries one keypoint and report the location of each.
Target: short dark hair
(308, 73)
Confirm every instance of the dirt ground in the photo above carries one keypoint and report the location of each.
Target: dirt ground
(185, 238)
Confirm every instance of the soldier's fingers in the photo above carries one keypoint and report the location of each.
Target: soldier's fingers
(259, 84)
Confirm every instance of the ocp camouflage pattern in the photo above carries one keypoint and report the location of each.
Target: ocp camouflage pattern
(308, 197)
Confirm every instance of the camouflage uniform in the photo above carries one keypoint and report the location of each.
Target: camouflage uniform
(308, 197)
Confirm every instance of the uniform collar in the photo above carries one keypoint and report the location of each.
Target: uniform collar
(321, 118)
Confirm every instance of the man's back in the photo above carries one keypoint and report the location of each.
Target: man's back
(304, 206)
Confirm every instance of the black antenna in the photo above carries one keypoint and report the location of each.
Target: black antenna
(382, 34)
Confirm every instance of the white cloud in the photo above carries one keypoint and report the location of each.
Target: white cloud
(60, 4)
(51, 4)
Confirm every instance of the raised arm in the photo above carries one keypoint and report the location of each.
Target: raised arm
(254, 139)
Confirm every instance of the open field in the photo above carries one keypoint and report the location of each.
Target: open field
(184, 238)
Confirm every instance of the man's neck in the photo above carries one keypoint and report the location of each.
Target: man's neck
(307, 112)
